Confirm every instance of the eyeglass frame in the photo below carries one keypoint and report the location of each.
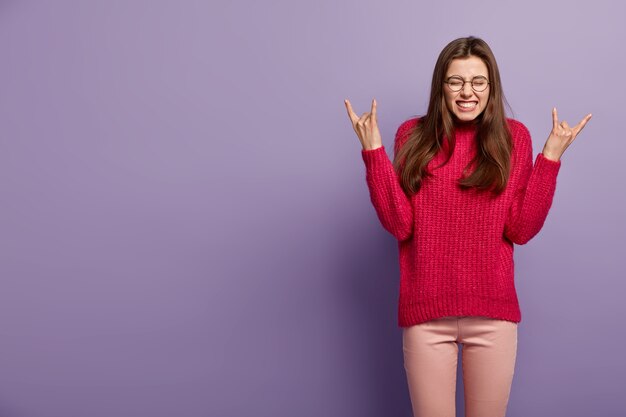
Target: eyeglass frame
(458, 77)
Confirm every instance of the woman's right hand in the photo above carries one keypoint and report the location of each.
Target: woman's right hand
(366, 127)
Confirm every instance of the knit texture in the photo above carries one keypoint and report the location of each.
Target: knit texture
(455, 245)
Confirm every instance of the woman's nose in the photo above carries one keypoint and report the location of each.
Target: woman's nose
(466, 91)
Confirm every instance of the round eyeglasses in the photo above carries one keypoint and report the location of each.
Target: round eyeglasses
(456, 83)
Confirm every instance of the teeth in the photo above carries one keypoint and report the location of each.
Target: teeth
(467, 105)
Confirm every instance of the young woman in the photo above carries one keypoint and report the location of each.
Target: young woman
(461, 191)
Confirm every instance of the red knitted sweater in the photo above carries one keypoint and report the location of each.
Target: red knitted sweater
(456, 246)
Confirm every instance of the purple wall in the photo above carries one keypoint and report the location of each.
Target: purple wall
(186, 228)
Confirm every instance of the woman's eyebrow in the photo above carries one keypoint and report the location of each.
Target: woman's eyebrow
(473, 76)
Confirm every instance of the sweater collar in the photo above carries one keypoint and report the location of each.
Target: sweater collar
(466, 127)
(464, 136)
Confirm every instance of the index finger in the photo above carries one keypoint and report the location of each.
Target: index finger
(374, 109)
(555, 118)
(351, 113)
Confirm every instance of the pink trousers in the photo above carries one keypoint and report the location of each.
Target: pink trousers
(430, 360)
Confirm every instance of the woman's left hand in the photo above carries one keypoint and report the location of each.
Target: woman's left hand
(561, 136)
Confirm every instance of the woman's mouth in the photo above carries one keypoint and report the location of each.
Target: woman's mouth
(466, 105)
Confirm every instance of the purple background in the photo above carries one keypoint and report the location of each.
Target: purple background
(186, 229)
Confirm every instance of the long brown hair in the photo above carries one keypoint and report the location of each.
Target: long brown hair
(494, 141)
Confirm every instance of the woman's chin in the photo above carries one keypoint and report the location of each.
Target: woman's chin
(465, 117)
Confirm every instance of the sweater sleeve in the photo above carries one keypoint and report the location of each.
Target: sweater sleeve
(393, 207)
(533, 195)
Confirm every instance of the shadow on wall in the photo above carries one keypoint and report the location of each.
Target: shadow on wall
(367, 262)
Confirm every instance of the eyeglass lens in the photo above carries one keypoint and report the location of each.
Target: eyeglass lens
(478, 83)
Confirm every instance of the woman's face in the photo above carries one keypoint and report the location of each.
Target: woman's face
(466, 104)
